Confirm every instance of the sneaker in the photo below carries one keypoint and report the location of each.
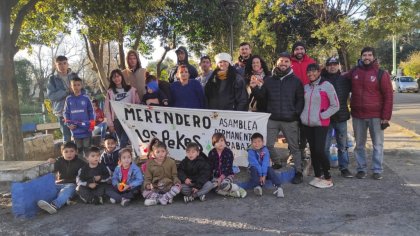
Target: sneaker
(323, 183)
(361, 175)
(234, 194)
(258, 191)
(298, 179)
(71, 203)
(202, 197)
(314, 181)
(95, 200)
(163, 201)
(83, 199)
(48, 207)
(225, 186)
(170, 201)
(346, 173)
(112, 201)
(279, 192)
(125, 202)
(377, 176)
(100, 201)
(242, 193)
(150, 202)
(188, 199)
(276, 166)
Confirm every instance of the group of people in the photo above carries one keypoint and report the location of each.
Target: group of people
(306, 104)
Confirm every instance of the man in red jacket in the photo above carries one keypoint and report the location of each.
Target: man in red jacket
(300, 61)
(371, 108)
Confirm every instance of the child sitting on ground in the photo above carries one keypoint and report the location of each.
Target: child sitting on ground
(221, 161)
(109, 156)
(161, 183)
(126, 180)
(154, 96)
(66, 168)
(92, 178)
(259, 165)
(194, 172)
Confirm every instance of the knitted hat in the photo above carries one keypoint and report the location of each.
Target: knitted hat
(297, 44)
(223, 57)
(284, 54)
(153, 85)
(331, 60)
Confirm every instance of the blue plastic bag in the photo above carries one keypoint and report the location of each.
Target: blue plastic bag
(26, 195)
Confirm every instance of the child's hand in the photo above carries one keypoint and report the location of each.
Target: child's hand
(97, 178)
(187, 181)
(126, 187)
(194, 190)
(219, 180)
(51, 160)
(149, 186)
(92, 185)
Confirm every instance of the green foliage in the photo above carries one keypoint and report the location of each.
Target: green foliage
(23, 76)
(411, 67)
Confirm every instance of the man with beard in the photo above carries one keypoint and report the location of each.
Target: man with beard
(371, 108)
(283, 93)
(245, 52)
(338, 121)
(182, 56)
(134, 74)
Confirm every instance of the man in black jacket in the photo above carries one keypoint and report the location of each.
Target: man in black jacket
(182, 56)
(283, 93)
(338, 121)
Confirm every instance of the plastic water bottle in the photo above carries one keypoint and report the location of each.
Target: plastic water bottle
(333, 156)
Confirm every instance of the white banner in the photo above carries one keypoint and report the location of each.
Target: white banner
(176, 127)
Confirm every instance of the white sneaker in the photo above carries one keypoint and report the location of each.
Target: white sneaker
(234, 194)
(242, 192)
(188, 199)
(112, 201)
(150, 202)
(125, 202)
(258, 191)
(279, 192)
(324, 184)
(202, 197)
(50, 208)
(314, 181)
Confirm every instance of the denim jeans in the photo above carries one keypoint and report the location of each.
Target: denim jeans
(254, 181)
(64, 129)
(100, 129)
(64, 193)
(340, 129)
(360, 127)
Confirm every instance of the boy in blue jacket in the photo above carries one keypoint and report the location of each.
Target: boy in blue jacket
(259, 165)
(79, 116)
(126, 180)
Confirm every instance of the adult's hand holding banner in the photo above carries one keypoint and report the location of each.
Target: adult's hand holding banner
(176, 127)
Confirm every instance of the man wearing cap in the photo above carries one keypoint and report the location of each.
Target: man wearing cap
(371, 108)
(225, 89)
(338, 122)
(182, 56)
(245, 52)
(283, 93)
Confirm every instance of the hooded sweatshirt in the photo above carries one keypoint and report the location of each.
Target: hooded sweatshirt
(136, 77)
(191, 69)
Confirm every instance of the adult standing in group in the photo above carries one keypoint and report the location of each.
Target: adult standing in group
(256, 69)
(371, 108)
(300, 61)
(225, 89)
(134, 74)
(186, 92)
(321, 103)
(245, 52)
(338, 122)
(121, 92)
(58, 88)
(283, 92)
(206, 71)
(182, 57)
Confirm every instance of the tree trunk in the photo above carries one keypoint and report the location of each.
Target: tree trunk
(159, 64)
(344, 59)
(13, 149)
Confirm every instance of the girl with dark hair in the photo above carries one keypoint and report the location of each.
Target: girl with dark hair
(256, 69)
(225, 89)
(118, 91)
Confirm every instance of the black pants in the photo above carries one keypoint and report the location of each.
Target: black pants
(316, 137)
(113, 192)
(87, 194)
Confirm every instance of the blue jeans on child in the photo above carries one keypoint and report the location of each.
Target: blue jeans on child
(64, 193)
(100, 129)
(64, 129)
(360, 127)
(254, 181)
(340, 129)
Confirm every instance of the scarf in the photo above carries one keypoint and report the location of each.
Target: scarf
(222, 75)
